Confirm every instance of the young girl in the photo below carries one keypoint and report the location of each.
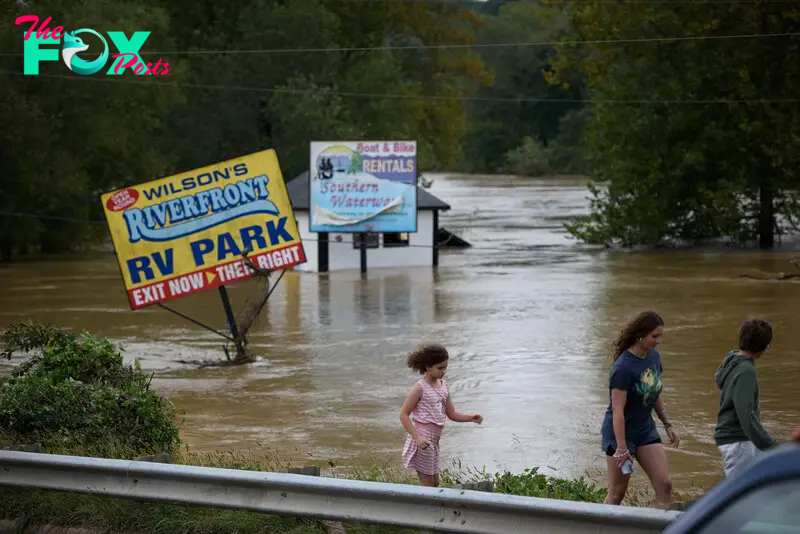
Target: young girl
(429, 402)
(628, 429)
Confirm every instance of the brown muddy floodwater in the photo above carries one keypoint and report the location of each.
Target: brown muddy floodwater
(527, 314)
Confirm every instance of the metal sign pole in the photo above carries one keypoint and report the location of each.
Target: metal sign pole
(226, 304)
(241, 353)
(363, 249)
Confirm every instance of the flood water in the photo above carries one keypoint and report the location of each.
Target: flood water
(527, 314)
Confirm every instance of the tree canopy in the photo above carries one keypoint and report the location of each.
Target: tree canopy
(518, 127)
(696, 139)
(684, 114)
(235, 87)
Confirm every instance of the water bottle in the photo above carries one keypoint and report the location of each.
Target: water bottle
(627, 467)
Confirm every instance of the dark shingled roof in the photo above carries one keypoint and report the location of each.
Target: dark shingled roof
(299, 192)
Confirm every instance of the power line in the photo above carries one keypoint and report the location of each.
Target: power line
(474, 45)
(52, 217)
(305, 239)
(284, 90)
(480, 3)
(452, 46)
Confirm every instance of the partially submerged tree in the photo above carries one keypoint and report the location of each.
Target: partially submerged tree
(696, 139)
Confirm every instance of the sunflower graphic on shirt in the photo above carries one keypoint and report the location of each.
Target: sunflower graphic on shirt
(649, 386)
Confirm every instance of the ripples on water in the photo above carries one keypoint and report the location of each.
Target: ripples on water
(527, 314)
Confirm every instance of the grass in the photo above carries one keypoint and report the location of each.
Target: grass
(103, 514)
(110, 515)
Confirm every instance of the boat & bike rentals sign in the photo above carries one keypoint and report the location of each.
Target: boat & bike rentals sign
(363, 186)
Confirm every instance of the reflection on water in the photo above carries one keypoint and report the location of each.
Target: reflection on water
(527, 313)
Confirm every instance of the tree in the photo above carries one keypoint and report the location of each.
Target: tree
(676, 168)
(66, 138)
(300, 97)
(518, 72)
(235, 87)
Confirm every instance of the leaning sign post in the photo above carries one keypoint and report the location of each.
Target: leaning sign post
(203, 229)
(363, 187)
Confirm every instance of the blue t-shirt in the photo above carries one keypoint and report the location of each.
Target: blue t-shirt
(641, 378)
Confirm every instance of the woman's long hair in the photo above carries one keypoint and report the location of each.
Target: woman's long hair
(639, 327)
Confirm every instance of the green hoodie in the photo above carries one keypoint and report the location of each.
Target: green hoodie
(739, 417)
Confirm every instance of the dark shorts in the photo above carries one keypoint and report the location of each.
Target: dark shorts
(649, 438)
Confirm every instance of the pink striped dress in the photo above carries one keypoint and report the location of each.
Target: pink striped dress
(428, 417)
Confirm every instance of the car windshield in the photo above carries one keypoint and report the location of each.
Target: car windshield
(773, 509)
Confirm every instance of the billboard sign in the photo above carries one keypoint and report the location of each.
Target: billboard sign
(188, 232)
(363, 186)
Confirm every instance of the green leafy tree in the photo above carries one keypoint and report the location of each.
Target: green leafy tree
(676, 168)
(300, 97)
(66, 138)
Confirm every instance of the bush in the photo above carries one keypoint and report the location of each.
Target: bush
(566, 153)
(531, 483)
(529, 159)
(77, 394)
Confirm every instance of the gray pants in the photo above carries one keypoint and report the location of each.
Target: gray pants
(736, 457)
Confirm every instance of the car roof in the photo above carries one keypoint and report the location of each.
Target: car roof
(779, 464)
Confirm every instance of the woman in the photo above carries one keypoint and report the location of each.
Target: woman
(628, 427)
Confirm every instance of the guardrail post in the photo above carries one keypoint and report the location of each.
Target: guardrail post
(331, 527)
(310, 470)
(32, 447)
(484, 485)
(160, 458)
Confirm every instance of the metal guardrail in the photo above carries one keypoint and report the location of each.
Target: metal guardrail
(434, 509)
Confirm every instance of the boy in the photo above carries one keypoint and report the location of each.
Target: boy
(739, 434)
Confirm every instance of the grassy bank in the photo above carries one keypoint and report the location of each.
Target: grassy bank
(100, 514)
